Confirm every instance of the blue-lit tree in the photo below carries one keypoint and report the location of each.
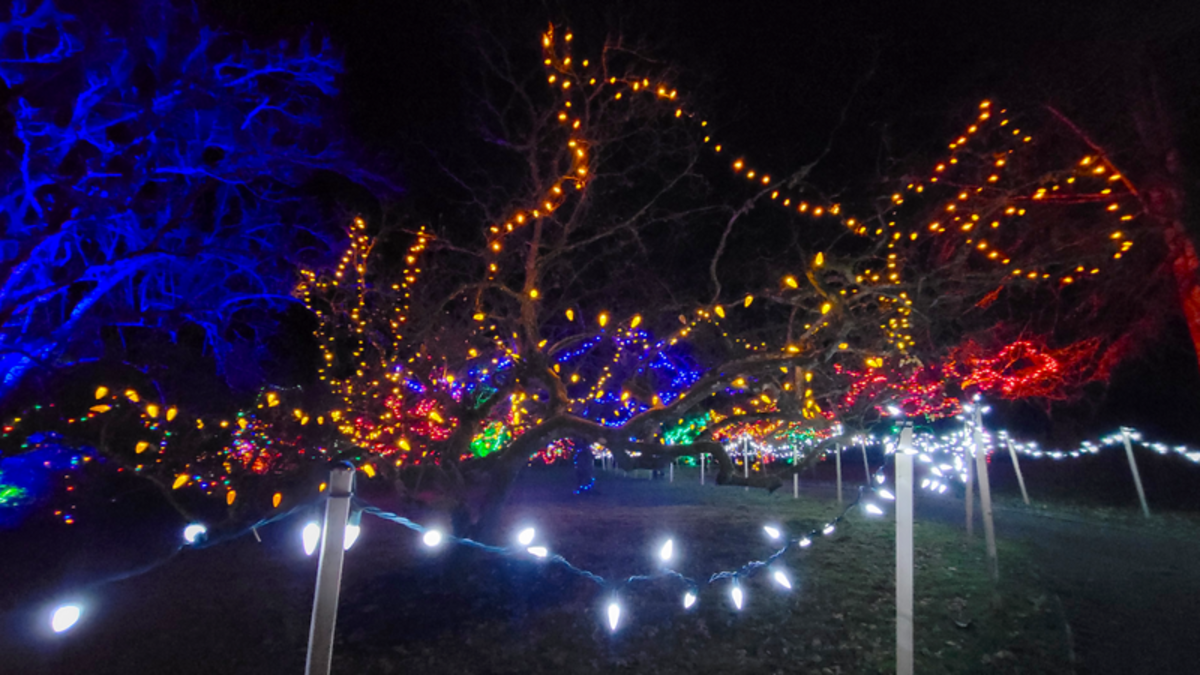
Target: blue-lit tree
(151, 180)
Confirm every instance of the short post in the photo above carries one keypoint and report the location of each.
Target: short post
(746, 460)
(795, 473)
(866, 464)
(329, 573)
(1012, 452)
(985, 494)
(904, 552)
(970, 493)
(703, 462)
(671, 471)
(1137, 477)
(837, 453)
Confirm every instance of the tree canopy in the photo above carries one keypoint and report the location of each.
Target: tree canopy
(609, 272)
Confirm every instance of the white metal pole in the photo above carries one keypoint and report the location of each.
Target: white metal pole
(970, 493)
(703, 462)
(866, 464)
(1017, 468)
(837, 453)
(985, 494)
(1137, 477)
(671, 471)
(329, 573)
(904, 553)
(795, 473)
(746, 460)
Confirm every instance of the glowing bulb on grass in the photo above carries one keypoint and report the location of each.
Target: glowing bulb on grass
(805, 542)
(614, 615)
(772, 532)
(353, 527)
(525, 536)
(64, 617)
(736, 593)
(782, 579)
(828, 529)
(538, 551)
(883, 492)
(311, 534)
(352, 532)
(689, 599)
(431, 538)
(668, 550)
(873, 510)
(193, 532)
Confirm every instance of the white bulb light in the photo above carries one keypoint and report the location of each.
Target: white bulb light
(873, 510)
(310, 535)
(525, 537)
(737, 597)
(668, 550)
(431, 538)
(539, 551)
(805, 542)
(772, 532)
(782, 579)
(883, 492)
(352, 532)
(64, 617)
(828, 530)
(193, 532)
(689, 599)
(614, 615)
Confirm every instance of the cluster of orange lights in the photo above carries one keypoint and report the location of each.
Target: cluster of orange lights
(972, 225)
(363, 383)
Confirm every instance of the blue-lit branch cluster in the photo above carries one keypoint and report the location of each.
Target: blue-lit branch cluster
(606, 362)
(152, 178)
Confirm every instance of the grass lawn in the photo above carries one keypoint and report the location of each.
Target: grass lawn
(243, 607)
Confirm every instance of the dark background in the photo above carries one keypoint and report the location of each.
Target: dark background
(775, 77)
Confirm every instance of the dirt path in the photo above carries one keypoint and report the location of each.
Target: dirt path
(1131, 595)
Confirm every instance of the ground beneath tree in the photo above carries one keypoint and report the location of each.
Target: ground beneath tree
(1128, 589)
(243, 607)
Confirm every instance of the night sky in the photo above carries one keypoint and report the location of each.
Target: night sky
(774, 78)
